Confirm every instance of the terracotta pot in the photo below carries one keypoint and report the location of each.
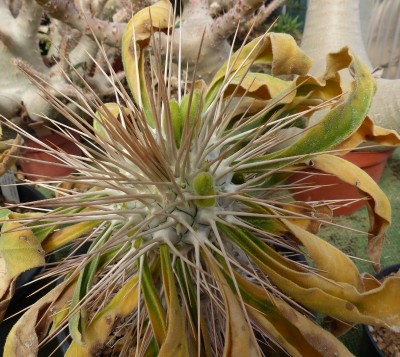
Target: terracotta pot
(47, 168)
(334, 189)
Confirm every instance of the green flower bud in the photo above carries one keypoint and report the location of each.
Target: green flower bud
(203, 185)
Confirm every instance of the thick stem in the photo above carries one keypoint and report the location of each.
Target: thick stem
(331, 25)
(66, 11)
(226, 24)
(385, 106)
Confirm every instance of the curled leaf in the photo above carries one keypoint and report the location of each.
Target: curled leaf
(25, 336)
(337, 125)
(378, 204)
(176, 342)
(239, 339)
(275, 49)
(368, 131)
(9, 153)
(102, 324)
(136, 38)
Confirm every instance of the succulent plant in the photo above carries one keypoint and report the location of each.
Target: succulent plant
(186, 220)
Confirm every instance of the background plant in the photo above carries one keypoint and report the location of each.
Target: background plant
(66, 29)
(186, 214)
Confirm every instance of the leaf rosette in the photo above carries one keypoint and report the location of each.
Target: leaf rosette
(182, 224)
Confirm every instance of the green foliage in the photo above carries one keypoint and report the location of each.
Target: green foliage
(288, 24)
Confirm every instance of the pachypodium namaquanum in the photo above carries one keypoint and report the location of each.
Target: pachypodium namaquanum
(186, 213)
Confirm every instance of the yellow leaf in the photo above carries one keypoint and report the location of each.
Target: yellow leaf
(330, 261)
(379, 209)
(20, 249)
(333, 289)
(7, 288)
(8, 157)
(368, 131)
(136, 38)
(277, 49)
(295, 332)
(67, 234)
(260, 86)
(176, 342)
(106, 117)
(99, 329)
(26, 334)
(239, 338)
(308, 217)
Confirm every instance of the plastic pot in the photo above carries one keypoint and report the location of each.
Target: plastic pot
(369, 347)
(332, 188)
(39, 165)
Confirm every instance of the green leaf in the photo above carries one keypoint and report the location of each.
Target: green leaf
(177, 121)
(4, 212)
(154, 305)
(78, 321)
(190, 298)
(190, 108)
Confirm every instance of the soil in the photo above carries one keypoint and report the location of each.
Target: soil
(387, 340)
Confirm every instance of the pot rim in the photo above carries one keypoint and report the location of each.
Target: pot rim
(54, 140)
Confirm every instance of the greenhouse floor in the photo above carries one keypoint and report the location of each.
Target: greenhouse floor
(354, 244)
